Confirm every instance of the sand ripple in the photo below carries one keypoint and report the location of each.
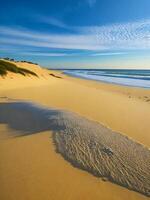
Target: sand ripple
(104, 153)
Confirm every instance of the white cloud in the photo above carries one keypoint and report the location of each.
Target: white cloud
(109, 54)
(44, 54)
(134, 35)
(37, 39)
(63, 42)
(52, 21)
(114, 37)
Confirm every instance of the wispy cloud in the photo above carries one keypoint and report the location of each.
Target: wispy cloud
(109, 54)
(114, 37)
(60, 41)
(133, 35)
(52, 21)
(44, 54)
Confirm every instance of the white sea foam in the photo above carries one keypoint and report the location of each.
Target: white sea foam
(134, 80)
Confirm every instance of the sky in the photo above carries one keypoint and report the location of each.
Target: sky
(77, 33)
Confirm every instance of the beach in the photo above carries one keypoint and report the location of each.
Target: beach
(31, 168)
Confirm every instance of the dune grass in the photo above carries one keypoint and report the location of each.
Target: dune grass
(6, 66)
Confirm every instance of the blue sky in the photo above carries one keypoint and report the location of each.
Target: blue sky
(77, 34)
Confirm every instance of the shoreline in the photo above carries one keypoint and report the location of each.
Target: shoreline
(102, 84)
(122, 94)
(105, 82)
(105, 79)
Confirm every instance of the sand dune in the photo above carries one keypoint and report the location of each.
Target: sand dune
(86, 144)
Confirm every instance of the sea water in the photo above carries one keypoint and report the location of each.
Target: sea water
(134, 78)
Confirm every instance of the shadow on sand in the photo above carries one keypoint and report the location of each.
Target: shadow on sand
(27, 118)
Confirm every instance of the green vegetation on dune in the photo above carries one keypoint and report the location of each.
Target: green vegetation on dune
(2, 70)
(26, 71)
(7, 66)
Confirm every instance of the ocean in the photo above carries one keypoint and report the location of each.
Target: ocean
(133, 78)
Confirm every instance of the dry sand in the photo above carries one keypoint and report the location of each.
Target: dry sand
(29, 166)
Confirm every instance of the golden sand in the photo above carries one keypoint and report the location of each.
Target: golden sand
(31, 169)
